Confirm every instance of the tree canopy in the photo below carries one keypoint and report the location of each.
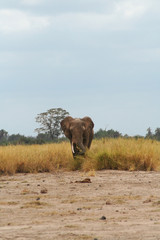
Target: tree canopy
(50, 122)
(107, 134)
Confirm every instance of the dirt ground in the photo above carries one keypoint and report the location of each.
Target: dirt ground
(110, 205)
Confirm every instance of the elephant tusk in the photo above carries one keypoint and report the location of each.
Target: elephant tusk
(73, 148)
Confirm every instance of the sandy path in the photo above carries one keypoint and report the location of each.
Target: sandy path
(53, 206)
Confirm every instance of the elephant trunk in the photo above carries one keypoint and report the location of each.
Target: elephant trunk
(81, 146)
(78, 148)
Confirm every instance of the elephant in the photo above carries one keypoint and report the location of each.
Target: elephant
(80, 133)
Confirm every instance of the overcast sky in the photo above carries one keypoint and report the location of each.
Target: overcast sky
(96, 58)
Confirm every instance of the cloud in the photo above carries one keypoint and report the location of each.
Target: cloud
(120, 17)
(12, 21)
(131, 9)
(32, 2)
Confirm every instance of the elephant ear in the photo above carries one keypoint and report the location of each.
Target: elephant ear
(88, 122)
(65, 125)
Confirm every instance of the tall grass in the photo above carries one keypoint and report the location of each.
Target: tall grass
(120, 154)
(34, 158)
(124, 154)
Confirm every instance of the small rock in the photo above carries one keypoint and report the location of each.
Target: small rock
(44, 190)
(147, 201)
(79, 209)
(86, 180)
(103, 218)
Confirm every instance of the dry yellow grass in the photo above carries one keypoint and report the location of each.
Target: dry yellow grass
(124, 154)
(35, 158)
(121, 154)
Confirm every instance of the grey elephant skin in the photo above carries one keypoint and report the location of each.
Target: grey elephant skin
(80, 133)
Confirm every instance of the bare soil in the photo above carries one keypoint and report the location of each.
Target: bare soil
(111, 205)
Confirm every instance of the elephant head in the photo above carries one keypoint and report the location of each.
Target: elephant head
(80, 133)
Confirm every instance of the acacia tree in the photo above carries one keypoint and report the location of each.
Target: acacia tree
(50, 122)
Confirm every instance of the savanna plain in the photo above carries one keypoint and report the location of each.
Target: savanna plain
(111, 193)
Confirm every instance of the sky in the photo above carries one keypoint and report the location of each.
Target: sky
(96, 58)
